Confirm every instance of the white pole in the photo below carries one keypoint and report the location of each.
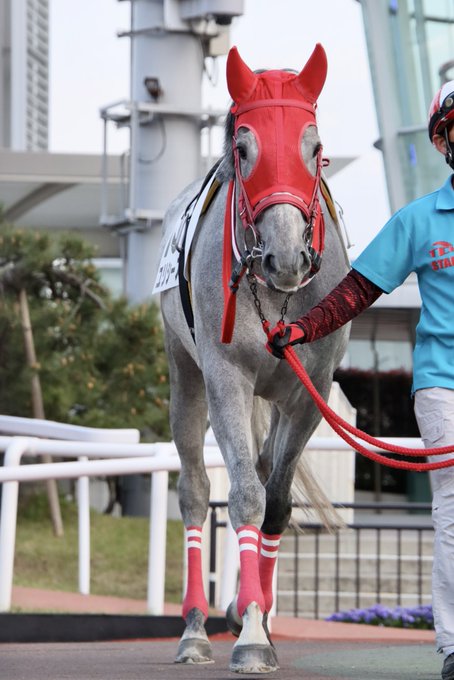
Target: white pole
(8, 520)
(157, 545)
(83, 507)
(230, 567)
(273, 610)
(100, 468)
(73, 449)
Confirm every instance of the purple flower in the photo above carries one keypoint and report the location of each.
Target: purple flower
(400, 617)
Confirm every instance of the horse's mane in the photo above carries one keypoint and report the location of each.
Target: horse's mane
(226, 170)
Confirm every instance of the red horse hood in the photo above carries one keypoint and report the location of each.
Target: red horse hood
(277, 107)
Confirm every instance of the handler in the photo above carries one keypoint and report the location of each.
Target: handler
(418, 238)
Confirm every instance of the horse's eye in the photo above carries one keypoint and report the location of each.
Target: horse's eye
(242, 153)
(316, 149)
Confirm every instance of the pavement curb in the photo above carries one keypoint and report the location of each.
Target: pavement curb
(95, 627)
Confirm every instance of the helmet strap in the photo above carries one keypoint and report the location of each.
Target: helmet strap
(449, 156)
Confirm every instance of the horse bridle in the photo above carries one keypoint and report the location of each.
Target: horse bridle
(312, 211)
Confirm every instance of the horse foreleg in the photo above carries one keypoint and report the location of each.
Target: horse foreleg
(195, 594)
(194, 646)
(250, 588)
(269, 548)
(253, 652)
(188, 417)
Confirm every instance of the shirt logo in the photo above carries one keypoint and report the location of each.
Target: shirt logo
(441, 255)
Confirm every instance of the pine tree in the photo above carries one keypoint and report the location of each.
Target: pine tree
(99, 362)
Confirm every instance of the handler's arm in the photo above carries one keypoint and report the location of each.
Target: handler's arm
(350, 297)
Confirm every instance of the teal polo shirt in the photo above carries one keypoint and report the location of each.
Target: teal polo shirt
(420, 238)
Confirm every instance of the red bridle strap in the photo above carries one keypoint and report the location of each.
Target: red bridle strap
(312, 211)
(250, 106)
(230, 287)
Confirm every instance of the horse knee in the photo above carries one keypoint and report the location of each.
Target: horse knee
(246, 504)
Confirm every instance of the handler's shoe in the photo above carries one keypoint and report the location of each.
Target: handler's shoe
(448, 668)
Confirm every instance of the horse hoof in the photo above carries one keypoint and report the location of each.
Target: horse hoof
(194, 650)
(233, 619)
(253, 659)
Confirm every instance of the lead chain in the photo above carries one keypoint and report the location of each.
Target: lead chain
(284, 307)
(252, 281)
(253, 287)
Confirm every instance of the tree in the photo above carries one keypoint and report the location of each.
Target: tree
(92, 360)
(119, 378)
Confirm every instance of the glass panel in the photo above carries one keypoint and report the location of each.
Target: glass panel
(423, 168)
(440, 46)
(390, 355)
(423, 39)
(440, 9)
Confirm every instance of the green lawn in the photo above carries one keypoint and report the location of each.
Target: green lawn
(119, 552)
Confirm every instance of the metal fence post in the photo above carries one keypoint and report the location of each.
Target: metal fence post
(8, 521)
(213, 546)
(83, 509)
(157, 545)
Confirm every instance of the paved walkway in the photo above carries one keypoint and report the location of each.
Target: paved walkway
(307, 649)
(33, 599)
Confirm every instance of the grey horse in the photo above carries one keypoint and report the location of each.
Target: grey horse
(268, 241)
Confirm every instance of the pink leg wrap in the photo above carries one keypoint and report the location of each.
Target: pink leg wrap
(195, 594)
(250, 588)
(267, 561)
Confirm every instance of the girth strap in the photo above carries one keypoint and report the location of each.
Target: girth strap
(185, 292)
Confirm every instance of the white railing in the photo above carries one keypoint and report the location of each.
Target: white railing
(106, 459)
(35, 427)
(121, 459)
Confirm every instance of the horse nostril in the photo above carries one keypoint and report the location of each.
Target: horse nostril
(269, 262)
(305, 259)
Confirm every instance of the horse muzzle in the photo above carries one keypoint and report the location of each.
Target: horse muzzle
(285, 272)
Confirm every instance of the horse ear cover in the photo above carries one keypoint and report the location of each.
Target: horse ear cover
(312, 77)
(241, 81)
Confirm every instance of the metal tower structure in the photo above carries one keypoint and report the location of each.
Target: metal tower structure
(169, 42)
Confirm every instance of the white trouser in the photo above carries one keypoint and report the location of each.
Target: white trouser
(434, 411)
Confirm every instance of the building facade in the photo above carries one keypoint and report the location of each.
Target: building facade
(24, 74)
(411, 53)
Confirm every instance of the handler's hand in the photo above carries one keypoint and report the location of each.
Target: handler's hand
(283, 335)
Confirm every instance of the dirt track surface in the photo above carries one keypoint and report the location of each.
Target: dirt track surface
(153, 660)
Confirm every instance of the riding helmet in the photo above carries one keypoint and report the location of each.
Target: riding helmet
(441, 110)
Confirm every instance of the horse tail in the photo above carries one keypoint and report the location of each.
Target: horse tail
(306, 491)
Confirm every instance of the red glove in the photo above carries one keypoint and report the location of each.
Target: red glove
(283, 335)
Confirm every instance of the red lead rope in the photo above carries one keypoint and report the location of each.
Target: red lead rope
(341, 427)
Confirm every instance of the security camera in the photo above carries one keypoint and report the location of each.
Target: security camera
(222, 11)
